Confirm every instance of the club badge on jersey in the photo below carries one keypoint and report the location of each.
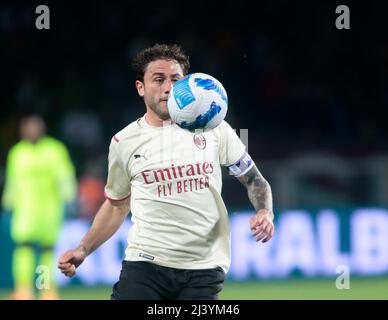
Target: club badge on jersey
(241, 166)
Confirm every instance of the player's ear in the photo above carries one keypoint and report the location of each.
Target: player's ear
(140, 88)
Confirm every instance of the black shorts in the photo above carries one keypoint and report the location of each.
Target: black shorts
(147, 281)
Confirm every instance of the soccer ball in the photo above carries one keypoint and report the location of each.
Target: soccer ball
(197, 101)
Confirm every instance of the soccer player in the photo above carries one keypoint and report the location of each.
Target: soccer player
(170, 180)
(39, 181)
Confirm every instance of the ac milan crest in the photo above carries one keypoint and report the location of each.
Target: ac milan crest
(199, 141)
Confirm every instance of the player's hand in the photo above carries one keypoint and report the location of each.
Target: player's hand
(70, 260)
(262, 226)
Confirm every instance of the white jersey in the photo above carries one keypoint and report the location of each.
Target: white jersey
(173, 177)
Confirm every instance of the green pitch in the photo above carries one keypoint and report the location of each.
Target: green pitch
(297, 289)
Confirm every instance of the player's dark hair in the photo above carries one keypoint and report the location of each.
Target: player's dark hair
(157, 52)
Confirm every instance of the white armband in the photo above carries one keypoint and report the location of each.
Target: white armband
(241, 166)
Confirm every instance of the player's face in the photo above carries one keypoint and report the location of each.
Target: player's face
(159, 77)
(32, 129)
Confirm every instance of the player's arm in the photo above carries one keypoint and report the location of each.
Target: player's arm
(259, 190)
(260, 195)
(106, 222)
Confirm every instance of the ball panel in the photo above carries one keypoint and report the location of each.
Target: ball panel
(183, 94)
(198, 101)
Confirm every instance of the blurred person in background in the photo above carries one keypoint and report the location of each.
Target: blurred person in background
(91, 189)
(40, 180)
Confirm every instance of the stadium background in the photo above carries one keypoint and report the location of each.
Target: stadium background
(311, 97)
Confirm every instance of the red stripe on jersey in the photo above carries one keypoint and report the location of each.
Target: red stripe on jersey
(111, 199)
(115, 139)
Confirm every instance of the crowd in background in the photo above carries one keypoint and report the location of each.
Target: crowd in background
(293, 80)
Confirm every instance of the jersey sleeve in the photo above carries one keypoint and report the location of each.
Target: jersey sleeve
(118, 182)
(231, 147)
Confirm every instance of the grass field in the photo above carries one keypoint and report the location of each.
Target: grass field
(296, 289)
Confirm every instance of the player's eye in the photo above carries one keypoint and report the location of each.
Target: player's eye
(159, 80)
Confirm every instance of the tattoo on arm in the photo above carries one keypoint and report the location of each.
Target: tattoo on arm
(259, 190)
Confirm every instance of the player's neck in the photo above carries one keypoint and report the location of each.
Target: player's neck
(154, 121)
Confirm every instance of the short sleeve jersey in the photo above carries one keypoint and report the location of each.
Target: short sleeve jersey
(173, 177)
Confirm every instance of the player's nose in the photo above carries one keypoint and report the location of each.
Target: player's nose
(168, 86)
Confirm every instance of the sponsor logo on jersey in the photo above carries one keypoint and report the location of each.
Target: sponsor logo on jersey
(177, 172)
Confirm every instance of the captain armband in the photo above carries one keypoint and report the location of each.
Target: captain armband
(241, 166)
